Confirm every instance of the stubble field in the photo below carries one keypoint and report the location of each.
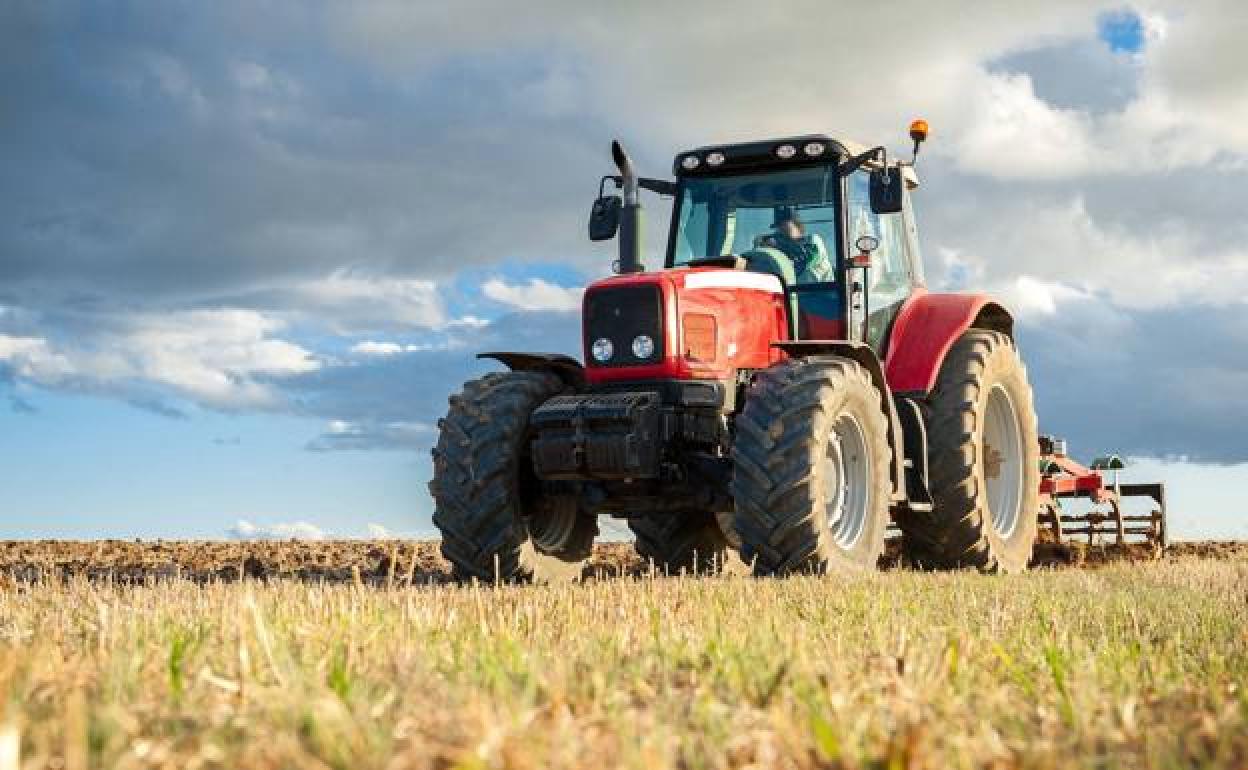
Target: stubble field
(355, 655)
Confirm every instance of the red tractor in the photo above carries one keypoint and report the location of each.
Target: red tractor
(785, 386)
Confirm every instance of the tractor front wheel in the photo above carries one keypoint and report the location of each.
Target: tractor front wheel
(811, 474)
(984, 465)
(684, 542)
(496, 520)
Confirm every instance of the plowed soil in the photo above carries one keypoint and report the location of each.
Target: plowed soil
(407, 562)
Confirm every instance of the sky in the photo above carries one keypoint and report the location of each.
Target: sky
(247, 250)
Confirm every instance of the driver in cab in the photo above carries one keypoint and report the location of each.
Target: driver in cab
(808, 253)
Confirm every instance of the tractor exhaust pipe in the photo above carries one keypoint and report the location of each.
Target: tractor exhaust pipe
(630, 213)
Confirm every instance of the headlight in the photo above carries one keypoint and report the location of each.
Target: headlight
(643, 346)
(602, 350)
(786, 151)
(814, 149)
(715, 159)
(690, 162)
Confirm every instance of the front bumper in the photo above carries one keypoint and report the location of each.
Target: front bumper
(598, 436)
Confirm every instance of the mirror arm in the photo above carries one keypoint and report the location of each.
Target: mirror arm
(856, 162)
(660, 186)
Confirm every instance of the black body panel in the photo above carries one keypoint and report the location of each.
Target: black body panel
(620, 314)
(601, 436)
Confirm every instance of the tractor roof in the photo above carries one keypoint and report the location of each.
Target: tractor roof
(764, 153)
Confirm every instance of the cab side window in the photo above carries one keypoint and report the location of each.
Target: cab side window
(889, 280)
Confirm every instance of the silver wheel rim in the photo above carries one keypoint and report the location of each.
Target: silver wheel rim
(1002, 458)
(847, 473)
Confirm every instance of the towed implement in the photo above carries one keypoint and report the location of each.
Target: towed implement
(785, 386)
(1102, 518)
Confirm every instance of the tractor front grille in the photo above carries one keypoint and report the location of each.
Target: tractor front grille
(620, 315)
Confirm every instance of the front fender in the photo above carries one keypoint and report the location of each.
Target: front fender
(927, 327)
(564, 367)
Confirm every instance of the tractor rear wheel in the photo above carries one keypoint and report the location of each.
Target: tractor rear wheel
(496, 521)
(984, 468)
(811, 475)
(686, 541)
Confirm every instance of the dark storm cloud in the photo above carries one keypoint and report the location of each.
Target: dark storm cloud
(1166, 383)
(153, 153)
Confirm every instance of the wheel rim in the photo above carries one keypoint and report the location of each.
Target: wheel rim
(847, 471)
(1002, 458)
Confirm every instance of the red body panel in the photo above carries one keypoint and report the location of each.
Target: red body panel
(749, 317)
(817, 327)
(925, 329)
(1063, 477)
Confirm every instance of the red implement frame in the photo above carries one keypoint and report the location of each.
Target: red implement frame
(1062, 478)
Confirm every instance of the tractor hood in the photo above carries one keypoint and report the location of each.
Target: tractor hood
(681, 324)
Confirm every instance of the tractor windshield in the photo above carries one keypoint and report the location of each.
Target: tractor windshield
(782, 222)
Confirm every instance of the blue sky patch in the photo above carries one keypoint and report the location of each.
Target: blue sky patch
(1122, 31)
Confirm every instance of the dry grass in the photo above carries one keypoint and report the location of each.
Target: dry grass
(1131, 665)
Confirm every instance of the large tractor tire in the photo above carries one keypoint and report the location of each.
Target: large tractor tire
(812, 469)
(984, 469)
(496, 523)
(685, 542)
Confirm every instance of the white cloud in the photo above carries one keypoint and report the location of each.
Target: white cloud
(535, 295)
(374, 348)
(1195, 70)
(349, 302)
(1010, 133)
(31, 358)
(297, 530)
(371, 348)
(467, 322)
(220, 357)
(1029, 298)
(1190, 108)
(1026, 248)
(212, 355)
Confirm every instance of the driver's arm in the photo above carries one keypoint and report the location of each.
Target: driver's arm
(819, 265)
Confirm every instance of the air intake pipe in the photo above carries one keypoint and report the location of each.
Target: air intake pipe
(630, 213)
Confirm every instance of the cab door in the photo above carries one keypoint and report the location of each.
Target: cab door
(891, 280)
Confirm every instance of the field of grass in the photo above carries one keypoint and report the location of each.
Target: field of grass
(1131, 665)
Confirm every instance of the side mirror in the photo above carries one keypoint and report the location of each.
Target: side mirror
(604, 218)
(886, 187)
(865, 245)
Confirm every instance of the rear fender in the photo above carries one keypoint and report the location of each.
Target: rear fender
(864, 356)
(564, 367)
(925, 330)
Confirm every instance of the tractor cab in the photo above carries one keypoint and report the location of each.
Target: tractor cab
(803, 209)
(831, 220)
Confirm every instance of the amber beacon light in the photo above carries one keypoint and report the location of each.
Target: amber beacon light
(918, 132)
